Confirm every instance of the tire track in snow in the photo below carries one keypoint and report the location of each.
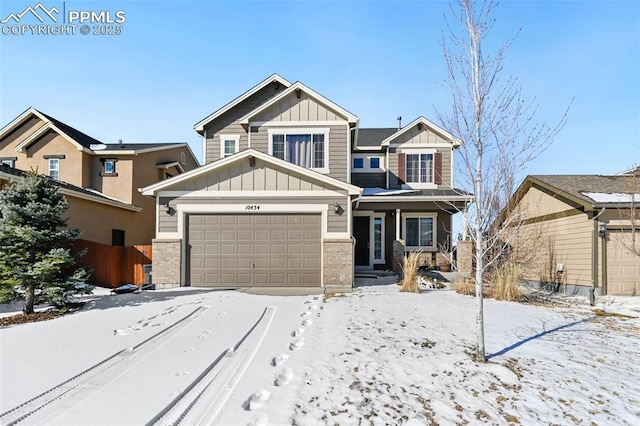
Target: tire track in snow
(48, 406)
(202, 402)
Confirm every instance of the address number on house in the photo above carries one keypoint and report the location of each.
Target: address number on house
(252, 207)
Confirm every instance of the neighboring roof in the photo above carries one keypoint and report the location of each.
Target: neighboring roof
(152, 190)
(427, 123)
(576, 186)
(374, 137)
(14, 174)
(199, 126)
(81, 138)
(316, 96)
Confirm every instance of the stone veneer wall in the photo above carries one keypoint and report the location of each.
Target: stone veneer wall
(398, 256)
(166, 263)
(338, 263)
(464, 261)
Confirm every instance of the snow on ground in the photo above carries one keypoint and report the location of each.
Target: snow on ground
(374, 356)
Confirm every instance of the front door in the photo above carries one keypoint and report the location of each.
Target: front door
(361, 232)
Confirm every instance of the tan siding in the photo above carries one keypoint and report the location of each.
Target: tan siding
(540, 203)
(228, 123)
(415, 136)
(243, 177)
(393, 169)
(338, 153)
(9, 142)
(291, 108)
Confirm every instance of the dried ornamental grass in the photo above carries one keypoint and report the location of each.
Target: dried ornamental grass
(409, 282)
(504, 283)
(464, 286)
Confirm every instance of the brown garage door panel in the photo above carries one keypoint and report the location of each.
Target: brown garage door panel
(258, 250)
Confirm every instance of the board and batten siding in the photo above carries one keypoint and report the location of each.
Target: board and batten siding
(292, 108)
(335, 222)
(228, 123)
(337, 144)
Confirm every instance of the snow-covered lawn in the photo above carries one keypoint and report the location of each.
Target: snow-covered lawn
(374, 356)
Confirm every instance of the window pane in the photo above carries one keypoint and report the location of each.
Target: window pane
(299, 150)
(412, 232)
(377, 238)
(54, 168)
(413, 167)
(374, 163)
(358, 163)
(318, 151)
(278, 146)
(109, 167)
(229, 147)
(426, 231)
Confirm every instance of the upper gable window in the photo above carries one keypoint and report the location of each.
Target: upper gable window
(108, 167)
(419, 168)
(306, 148)
(229, 145)
(374, 163)
(54, 168)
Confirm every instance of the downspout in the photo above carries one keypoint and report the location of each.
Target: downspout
(594, 258)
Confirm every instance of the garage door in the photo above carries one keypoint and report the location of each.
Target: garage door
(623, 267)
(254, 250)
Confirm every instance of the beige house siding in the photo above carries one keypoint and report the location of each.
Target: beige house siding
(292, 108)
(19, 134)
(96, 220)
(339, 151)
(415, 136)
(228, 123)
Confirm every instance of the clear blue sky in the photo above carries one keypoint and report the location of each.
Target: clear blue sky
(177, 62)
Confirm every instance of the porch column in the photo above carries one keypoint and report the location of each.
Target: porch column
(398, 236)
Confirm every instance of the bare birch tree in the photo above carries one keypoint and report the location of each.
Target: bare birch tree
(496, 127)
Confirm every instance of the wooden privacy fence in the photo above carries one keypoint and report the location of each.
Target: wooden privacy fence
(112, 266)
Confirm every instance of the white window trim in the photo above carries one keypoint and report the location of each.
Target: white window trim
(419, 185)
(431, 215)
(302, 131)
(367, 163)
(56, 169)
(372, 216)
(225, 137)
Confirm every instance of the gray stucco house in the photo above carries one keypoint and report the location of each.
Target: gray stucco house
(294, 193)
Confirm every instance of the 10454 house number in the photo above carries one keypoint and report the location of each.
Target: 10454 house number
(252, 207)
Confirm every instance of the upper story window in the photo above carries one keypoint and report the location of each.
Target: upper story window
(8, 161)
(367, 163)
(108, 167)
(54, 168)
(419, 168)
(229, 144)
(305, 148)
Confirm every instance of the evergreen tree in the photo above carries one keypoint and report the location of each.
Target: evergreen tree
(36, 264)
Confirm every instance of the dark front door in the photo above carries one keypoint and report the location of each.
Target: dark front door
(361, 234)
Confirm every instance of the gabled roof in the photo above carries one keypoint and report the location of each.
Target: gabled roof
(199, 126)
(577, 188)
(13, 174)
(374, 137)
(426, 123)
(316, 96)
(152, 190)
(81, 140)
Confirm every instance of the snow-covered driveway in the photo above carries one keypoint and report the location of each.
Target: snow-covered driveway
(375, 356)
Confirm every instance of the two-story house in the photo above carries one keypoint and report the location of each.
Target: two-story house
(294, 193)
(105, 203)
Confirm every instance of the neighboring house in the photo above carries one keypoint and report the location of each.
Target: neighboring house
(294, 193)
(86, 208)
(112, 172)
(583, 230)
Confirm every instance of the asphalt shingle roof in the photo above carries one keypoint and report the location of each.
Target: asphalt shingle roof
(374, 137)
(577, 184)
(82, 138)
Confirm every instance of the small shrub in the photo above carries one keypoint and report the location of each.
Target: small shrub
(464, 286)
(504, 283)
(409, 282)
